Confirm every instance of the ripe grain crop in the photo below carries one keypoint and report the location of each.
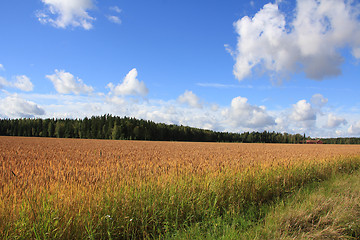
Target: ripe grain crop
(71, 188)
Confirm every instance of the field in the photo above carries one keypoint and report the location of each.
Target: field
(103, 189)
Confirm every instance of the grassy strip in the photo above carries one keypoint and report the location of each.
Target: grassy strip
(194, 207)
(330, 210)
(321, 210)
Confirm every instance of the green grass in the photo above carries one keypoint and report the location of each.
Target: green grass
(228, 205)
(320, 210)
(330, 210)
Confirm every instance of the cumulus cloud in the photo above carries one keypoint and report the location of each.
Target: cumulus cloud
(116, 100)
(243, 114)
(335, 121)
(115, 9)
(15, 107)
(354, 129)
(303, 113)
(65, 82)
(312, 118)
(310, 42)
(3, 82)
(64, 13)
(188, 97)
(2, 67)
(22, 82)
(114, 19)
(130, 86)
(318, 100)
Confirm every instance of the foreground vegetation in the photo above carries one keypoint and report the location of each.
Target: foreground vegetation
(76, 189)
(329, 210)
(320, 210)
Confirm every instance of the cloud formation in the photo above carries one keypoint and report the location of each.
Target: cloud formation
(115, 9)
(243, 114)
(130, 86)
(65, 82)
(354, 129)
(114, 18)
(189, 98)
(318, 100)
(303, 114)
(21, 82)
(2, 67)
(312, 118)
(64, 13)
(3, 82)
(16, 107)
(310, 42)
(335, 121)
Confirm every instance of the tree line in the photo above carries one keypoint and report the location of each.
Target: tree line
(125, 128)
(348, 140)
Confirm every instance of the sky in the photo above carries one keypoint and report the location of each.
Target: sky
(235, 66)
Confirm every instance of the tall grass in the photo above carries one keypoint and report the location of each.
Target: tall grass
(327, 210)
(157, 208)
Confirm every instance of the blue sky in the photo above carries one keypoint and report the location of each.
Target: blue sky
(236, 66)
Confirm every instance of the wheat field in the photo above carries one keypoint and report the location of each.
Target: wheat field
(72, 188)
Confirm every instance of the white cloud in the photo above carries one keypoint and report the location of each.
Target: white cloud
(318, 100)
(303, 111)
(64, 13)
(65, 82)
(335, 121)
(115, 9)
(303, 114)
(116, 100)
(3, 82)
(114, 19)
(2, 67)
(22, 82)
(188, 97)
(312, 118)
(15, 107)
(311, 42)
(243, 114)
(130, 86)
(354, 129)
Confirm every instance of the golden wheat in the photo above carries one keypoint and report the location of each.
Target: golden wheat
(43, 162)
(75, 174)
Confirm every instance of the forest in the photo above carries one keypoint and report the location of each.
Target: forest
(125, 128)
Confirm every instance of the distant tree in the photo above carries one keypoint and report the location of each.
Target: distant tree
(116, 132)
(60, 129)
(51, 128)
